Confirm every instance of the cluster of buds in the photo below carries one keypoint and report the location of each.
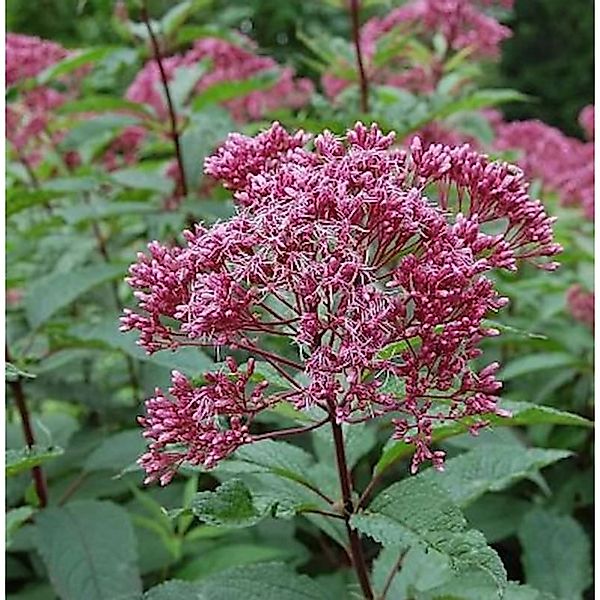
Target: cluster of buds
(371, 260)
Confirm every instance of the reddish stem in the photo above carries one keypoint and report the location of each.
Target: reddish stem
(364, 84)
(39, 480)
(358, 559)
(170, 106)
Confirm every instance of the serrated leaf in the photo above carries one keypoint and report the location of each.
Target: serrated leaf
(175, 590)
(19, 461)
(230, 505)
(47, 295)
(523, 413)
(490, 468)
(556, 554)
(416, 511)
(270, 581)
(89, 550)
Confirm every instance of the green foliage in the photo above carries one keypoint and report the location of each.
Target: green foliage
(89, 551)
(19, 461)
(556, 554)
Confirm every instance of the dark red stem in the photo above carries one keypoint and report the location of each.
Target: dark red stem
(364, 84)
(358, 559)
(170, 107)
(39, 480)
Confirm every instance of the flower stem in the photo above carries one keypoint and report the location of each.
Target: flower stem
(170, 106)
(358, 559)
(39, 480)
(364, 83)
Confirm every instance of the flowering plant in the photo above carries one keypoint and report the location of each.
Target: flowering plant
(345, 361)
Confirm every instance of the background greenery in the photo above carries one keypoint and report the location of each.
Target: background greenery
(550, 56)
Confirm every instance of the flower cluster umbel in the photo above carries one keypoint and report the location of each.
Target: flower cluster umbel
(371, 260)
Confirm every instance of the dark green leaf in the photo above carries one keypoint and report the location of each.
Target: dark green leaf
(47, 295)
(89, 550)
(556, 554)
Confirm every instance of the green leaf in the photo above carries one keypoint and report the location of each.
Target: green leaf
(416, 511)
(477, 100)
(19, 461)
(523, 413)
(536, 362)
(228, 90)
(205, 132)
(14, 519)
(497, 516)
(230, 505)
(18, 200)
(190, 361)
(490, 468)
(214, 560)
(116, 452)
(47, 295)
(89, 550)
(556, 554)
(261, 582)
(94, 127)
(184, 81)
(13, 373)
(175, 590)
(514, 591)
(100, 104)
(74, 61)
(103, 210)
(142, 179)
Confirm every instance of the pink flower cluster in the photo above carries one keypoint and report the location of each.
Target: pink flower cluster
(228, 62)
(27, 118)
(369, 259)
(27, 56)
(564, 164)
(581, 305)
(463, 23)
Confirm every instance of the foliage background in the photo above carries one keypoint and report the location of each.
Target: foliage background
(550, 56)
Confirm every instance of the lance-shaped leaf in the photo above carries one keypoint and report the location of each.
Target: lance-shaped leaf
(19, 461)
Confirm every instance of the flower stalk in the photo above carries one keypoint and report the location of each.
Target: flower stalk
(39, 480)
(170, 105)
(362, 75)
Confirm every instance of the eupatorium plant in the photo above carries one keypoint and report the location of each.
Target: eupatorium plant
(370, 260)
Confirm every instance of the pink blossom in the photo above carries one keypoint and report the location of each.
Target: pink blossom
(371, 260)
(228, 62)
(464, 24)
(564, 164)
(27, 56)
(581, 305)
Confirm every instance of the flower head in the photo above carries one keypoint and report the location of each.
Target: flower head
(371, 260)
